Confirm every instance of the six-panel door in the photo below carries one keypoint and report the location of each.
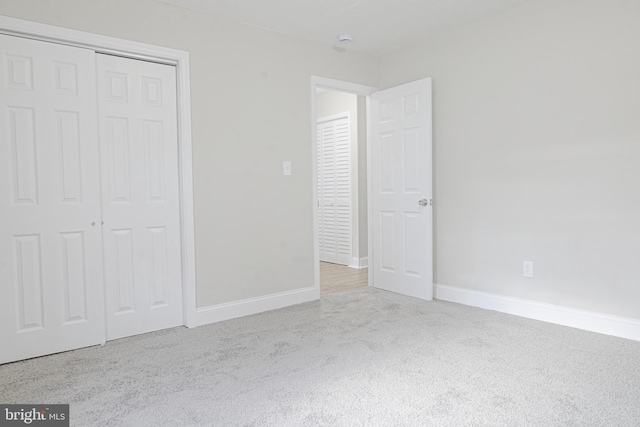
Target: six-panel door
(140, 195)
(51, 297)
(401, 189)
(85, 190)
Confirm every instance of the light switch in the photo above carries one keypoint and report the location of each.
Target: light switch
(527, 268)
(286, 167)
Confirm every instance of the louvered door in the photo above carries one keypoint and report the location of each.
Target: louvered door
(334, 190)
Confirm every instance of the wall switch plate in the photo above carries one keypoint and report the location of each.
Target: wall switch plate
(527, 268)
(286, 167)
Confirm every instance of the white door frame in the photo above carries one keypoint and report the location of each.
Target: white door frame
(340, 86)
(163, 55)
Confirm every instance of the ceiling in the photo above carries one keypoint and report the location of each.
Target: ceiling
(377, 26)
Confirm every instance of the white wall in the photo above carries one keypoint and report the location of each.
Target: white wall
(537, 151)
(250, 107)
(331, 103)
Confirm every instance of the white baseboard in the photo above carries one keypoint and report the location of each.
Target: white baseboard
(232, 310)
(591, 321)
(359, 262)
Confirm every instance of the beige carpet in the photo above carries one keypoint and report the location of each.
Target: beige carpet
(361, 358)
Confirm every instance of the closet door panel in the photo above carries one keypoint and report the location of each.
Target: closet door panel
(139, 152)
(50, 241)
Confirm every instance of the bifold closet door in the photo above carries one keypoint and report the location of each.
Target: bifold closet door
(334, 191)
(51, 287)
(140, 195)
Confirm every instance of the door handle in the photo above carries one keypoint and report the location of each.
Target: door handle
(423, 202)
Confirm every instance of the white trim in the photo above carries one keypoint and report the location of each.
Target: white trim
(622, 327)
(370, 252)
(247, 307)
(96, 42)
(187, 225)
(342, 115)
(358, 262)
(163, 55)
(342, 86)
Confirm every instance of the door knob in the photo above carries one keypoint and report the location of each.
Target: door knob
(423, 202)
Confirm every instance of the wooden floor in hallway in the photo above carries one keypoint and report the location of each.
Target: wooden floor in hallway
(338, 278)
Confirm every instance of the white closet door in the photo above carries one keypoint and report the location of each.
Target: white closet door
(334, 191)
(51, 296)
(140, 195)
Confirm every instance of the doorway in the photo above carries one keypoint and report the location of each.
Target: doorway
(340, 185)
(398, 188)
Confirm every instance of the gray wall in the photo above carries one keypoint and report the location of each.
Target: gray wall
(537, 151)
(362, 177)
(251, 110)
(536, 144)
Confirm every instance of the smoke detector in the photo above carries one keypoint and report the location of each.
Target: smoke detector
(345, 38)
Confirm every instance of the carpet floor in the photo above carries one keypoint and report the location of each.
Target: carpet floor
(358, 358)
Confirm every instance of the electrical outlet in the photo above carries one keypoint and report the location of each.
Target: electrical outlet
(527, 268)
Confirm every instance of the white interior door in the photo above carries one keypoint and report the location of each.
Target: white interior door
(140, 195)
(334, 190)
(401, 174)
(50, 245)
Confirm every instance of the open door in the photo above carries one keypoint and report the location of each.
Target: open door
(401, 190)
